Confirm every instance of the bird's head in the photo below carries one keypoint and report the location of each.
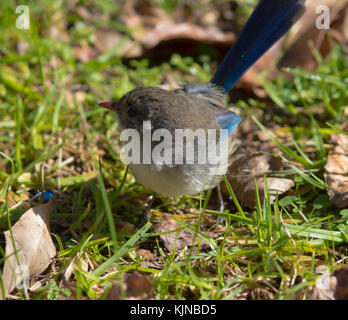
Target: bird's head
(136, 106)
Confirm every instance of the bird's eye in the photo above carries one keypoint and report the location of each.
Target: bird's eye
(132, 112)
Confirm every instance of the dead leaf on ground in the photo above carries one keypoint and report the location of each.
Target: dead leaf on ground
(85, 53)
(342, 283)
(168, 31)
(331, 286)
(146, 254)
(136, 286)
(34, 246)
(106, 39)
(242, 172)
(82, 263)
(151, 26)
(58, 32)
(178, 239)
(14, 200)
(336, 171)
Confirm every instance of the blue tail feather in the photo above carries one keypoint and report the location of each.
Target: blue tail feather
(228, 120)
(270, 20)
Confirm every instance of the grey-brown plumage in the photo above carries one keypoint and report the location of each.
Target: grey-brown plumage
(190, 107)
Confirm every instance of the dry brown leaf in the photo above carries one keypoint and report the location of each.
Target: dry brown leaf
(83, 264)
(331, 286)
(12, 199)
(342, 283)
(242, 172)
(151, 26)
(345, 26)
(106, 39)
(58, 32)
(336, 171)
(126, 227)
(178, 239)
(22, 47)
(83, 12)
(85, 53)
(168, 31)
(136, 287)
(34, 246)
(146, 254)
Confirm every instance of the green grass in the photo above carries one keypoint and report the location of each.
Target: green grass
(57, 140)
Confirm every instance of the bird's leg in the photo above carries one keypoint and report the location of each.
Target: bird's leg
(221, 202)
(144, 216)
(220, 199)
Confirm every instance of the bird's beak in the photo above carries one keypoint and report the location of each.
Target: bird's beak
(108, 105)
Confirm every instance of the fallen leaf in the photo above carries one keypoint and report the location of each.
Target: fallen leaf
(13, 199)
(341, 275)
(83, 12)
(106, 39)
(331, 286)
(22, 47)
(34, 247)
(126, 227)
(136, 287)
(242, 172)
(160, 33)
(336, 171)
(85, 53)
(146, 254)
(178, 239)
(83, 265)
(168, 31)
(345, 26)
(58, 32)
(114, 292)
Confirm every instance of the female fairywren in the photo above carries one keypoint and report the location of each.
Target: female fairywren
(181, 118)
(199, 108)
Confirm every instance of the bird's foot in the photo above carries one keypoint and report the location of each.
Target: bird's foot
(144, 217)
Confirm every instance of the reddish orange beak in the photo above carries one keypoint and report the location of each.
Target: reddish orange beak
(107, 105)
